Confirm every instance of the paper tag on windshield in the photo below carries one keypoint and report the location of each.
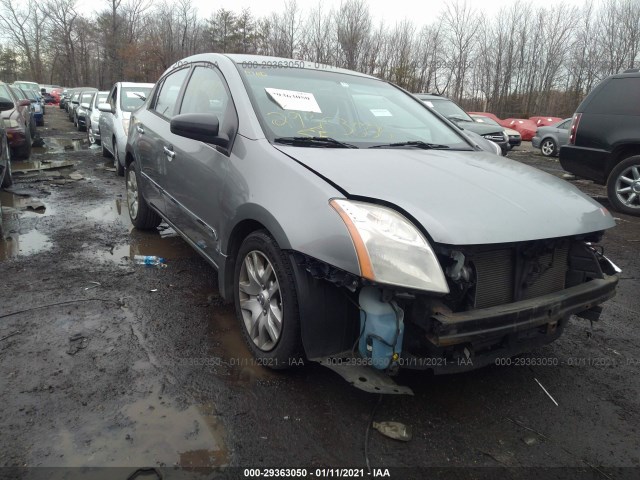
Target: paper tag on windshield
(380, 112)
(292, 100)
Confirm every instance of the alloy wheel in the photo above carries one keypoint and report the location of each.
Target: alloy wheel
(547, 148)
(260, 300)
(627, 186)
(132, 193)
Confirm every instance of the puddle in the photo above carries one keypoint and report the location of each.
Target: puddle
(23, 244)
(160, 244)
(112, 212)
(40, 165)
(226, 335)
(14, 206)
(150, 432)
(59, 145)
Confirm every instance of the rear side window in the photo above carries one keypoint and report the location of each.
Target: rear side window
(619, 96)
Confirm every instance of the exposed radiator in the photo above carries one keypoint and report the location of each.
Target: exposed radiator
(496, 275)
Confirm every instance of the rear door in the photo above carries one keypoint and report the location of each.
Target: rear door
(153, 140)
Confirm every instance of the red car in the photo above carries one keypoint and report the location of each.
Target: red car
(55, 94)
(16, 115)
(525, 127)
(545, 121)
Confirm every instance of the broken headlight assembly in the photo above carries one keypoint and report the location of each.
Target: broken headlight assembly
(390, 249)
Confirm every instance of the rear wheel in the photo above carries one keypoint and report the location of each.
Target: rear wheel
(623, 186)
(548, 147)
(7, 179)
(266, 301)
(141, 214)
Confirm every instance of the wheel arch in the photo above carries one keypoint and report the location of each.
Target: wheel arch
(621, 152)
(246, 225)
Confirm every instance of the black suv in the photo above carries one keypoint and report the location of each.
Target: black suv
(452, 111)
(604, 140)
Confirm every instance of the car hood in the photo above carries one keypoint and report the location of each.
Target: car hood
(460, 198)
(510, 131)
(479, 128)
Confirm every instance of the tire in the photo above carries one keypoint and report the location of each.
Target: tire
(116, 160)
(266, 299)
(24, 152)
(7, 180)
(32, 126)
(141, 214)
(90, 137)
(75, 122)
(548, 147)
(623, 186)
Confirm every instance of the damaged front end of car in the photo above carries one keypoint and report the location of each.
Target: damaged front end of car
(500, 300)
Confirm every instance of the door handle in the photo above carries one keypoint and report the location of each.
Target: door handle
(169, 153)
(140, 129)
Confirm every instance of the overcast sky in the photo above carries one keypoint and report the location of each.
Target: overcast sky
(391, 11)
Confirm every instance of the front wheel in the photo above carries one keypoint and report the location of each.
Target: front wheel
(548, 147)
(266, 302)
(141, 214)
(623, 186)
(90, 136)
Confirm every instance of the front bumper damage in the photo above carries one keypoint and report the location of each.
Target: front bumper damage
(467, 340)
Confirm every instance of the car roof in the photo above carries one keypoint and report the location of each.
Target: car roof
(430, 96)
(135, 84)
(239, 58)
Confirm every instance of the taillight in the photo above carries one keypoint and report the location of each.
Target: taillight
(574, 128)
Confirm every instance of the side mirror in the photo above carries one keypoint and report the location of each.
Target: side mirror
(85, 105)
(105, 107)
(24, 103)
(5, 104)
(199, 126)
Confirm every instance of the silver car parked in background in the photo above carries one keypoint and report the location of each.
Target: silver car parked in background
(347, 219)
(93, 117)
(124, 98)
(549, 139)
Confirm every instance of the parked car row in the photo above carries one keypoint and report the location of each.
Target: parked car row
(454, 113)
(19, 120)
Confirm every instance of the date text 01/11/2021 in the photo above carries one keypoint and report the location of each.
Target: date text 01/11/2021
(315, 473)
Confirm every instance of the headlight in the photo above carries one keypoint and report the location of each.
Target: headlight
(390, 248)
(125, 125)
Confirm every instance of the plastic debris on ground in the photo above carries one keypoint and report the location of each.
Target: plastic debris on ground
(395, 430)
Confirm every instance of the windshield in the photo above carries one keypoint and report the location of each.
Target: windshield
(102, 98)
(5, 96)
(131, 98)
(87, 97)
(448, 109)
(27, 85)
(487, 120)
(360, 111)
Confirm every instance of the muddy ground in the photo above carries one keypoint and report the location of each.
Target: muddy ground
(104, 363)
